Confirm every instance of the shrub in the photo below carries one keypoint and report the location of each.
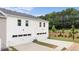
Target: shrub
(78, 37)
(62, 30)
(75, 32)
(73, 29)
(60, 35)
(70, 34)
(53, 29)
(65, 35)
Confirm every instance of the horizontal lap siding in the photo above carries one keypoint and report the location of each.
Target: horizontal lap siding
(33, 29)
(14, 29)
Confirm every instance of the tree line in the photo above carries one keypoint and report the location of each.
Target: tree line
(63, 19)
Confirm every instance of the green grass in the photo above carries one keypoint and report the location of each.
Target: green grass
(45, 44)
(65, 39)
(13, 49)
(66, 30)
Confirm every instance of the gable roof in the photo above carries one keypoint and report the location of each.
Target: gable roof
(6, 11)
(1, 14)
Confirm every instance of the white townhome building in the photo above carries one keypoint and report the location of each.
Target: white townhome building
(18, 28)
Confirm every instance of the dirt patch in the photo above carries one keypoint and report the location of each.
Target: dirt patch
(74, 47)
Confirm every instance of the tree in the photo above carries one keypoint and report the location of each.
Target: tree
(73, 31)
(63, 19)
(63, 30)
(53, 28)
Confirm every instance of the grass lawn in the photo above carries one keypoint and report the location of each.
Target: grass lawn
(65, 39)
(66, 30)
(45, 44)
(13, 49)
(51, 36)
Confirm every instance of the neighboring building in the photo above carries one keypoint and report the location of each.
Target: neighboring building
(18, 28)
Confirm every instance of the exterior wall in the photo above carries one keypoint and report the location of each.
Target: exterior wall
(3, 33)
(33, 29)
(41, 29)
(0, 44)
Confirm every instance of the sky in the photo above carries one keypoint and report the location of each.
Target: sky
(38, 11)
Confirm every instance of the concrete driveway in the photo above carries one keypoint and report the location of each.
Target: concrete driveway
(58, 42)
(32, 47)
(36, 47)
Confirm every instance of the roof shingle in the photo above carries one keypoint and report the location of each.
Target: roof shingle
(6, 11)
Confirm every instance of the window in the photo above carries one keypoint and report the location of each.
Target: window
(29, 34)
(19, 22)
(43, 24)
(26, 23)
(20, 35)
(14, 36)
(45, 33)
(37, 33)
(41, 33)
(25, 34)
(40, 24)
